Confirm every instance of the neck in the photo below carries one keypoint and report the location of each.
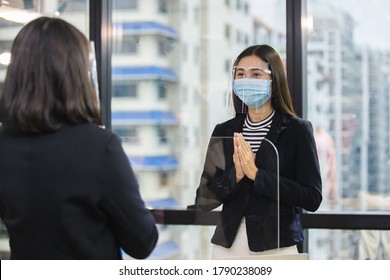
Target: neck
(259, 114)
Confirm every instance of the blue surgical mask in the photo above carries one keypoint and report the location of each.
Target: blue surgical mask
(253, 92)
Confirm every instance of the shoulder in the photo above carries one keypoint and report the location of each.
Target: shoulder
(293, 122)
(90, 134)
(299, 128)
(292, 126)
(300, 123)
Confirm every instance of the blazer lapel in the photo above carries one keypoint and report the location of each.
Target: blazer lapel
(278, 125)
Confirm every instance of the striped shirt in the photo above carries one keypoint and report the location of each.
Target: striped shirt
(255, 132)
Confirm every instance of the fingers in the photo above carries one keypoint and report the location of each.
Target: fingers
(246, 145)
(235, 142)
(245, 156)
(245, 148)
(236, 159)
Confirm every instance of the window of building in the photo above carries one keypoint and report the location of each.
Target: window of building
(128, 134)
(163, 179)
(162, 90)
(127, 45)
(165, 45)
(227, 32)
(185, 11)
(125, 5)
(196, 54)
(238, 5)
(238, 37)
(163, 6)
(196, 15)
(125, 90)
(66, 6)
(5, 46)
(228, 65)
(162, 134)
(184, 94)
(246, 8)
(184, 52)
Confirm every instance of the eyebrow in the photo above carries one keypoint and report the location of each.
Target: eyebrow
(254, 68)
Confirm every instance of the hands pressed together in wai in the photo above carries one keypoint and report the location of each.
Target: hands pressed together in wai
(243, 158)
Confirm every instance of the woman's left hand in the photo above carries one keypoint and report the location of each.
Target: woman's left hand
(247, 157)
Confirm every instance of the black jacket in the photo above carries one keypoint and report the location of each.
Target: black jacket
(299, 184)
(72, 194)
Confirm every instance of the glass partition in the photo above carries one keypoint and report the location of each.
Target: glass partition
(348, 98)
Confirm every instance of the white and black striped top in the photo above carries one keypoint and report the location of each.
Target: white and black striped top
(254, 133)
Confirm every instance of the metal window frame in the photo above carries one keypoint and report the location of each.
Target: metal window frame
(100, 22)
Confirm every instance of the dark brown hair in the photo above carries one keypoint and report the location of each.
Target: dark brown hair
(47, 82)
(281, 98)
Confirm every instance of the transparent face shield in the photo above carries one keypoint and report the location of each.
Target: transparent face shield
(249, 89)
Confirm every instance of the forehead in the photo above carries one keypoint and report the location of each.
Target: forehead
(252, 61)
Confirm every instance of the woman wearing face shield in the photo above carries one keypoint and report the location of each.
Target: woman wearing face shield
(261, 166)
(67, 190)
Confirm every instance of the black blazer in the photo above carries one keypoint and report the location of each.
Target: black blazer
(71, 194)
(300, 184)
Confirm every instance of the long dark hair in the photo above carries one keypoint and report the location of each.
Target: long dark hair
(47, 82)
(281, 98)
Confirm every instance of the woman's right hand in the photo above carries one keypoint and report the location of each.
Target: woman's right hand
(236, 159)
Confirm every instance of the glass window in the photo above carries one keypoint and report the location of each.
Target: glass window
(162, 134)
(128, 4)
(196, 55)
(184, 52)
(164, 179)
(196, 15)
(348, 104)
(5, 46)
(162, 91)
(163, 6)
(227, 31)
(182, 68)
(246, 8)
(164, 45)
(65, 6)
(228, 65)
(126, 45)
(128, 134)
(184, 11)
(238, 5)
(129, 90)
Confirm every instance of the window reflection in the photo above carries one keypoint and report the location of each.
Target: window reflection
(171, 62)
(348, 103)
(348, 97)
